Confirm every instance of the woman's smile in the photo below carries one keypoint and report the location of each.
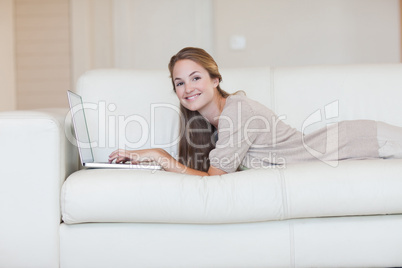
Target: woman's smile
(192, 97)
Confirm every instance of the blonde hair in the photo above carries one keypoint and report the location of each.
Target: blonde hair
(194, 146)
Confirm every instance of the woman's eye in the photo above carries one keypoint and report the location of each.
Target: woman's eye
(179, 84)
(196, 78)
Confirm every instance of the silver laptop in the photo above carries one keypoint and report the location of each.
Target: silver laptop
(84, 142)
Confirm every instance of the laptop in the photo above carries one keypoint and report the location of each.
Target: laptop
(84, 142)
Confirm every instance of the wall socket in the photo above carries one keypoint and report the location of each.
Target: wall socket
(238, 42)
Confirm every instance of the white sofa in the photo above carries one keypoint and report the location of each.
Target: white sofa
(318, 214)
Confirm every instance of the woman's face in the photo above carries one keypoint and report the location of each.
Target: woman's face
(194, 88)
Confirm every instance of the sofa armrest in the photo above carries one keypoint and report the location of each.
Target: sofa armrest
(35, 159)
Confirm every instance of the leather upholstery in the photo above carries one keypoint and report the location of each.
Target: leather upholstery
(310, 190)
(35, 160)
(129, 109)
(306, 215)
(343, 92)
(370, 241)
(310, 215)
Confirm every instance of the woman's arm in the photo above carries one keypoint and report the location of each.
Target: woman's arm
(161, 157)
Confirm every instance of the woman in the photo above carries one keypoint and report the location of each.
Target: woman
(224, 132)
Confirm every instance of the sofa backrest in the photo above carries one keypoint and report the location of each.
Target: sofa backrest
(313, 96)
(136, 109)
(131, 109)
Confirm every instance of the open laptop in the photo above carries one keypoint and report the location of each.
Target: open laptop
(84, 142)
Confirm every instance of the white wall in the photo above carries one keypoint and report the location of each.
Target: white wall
(7, 65)
(286, 33)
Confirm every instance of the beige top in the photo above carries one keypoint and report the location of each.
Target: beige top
(251, 135)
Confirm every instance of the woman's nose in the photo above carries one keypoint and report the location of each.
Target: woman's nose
(188, 88)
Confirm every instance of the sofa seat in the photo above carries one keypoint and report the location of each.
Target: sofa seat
(307, 190)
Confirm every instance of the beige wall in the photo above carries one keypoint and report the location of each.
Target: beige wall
(287, 33)
(148, 33)
(42, 39)
(92, 35)
(145, 34)
(136, 33)
(7, 67)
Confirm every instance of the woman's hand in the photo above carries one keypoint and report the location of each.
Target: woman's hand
(162, 158)
(135, 157)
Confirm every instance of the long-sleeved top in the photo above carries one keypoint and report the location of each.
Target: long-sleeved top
(250, 135)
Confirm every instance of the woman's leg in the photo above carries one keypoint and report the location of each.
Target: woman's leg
(390, 140)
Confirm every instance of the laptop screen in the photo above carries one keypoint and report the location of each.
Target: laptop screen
(80, 127)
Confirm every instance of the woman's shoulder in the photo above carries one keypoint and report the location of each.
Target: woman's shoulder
(238, 97)
(241, 101)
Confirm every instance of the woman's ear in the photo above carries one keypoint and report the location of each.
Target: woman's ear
(216, 82)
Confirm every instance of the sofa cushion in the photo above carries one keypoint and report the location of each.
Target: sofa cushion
(305, 190)
(310, 97)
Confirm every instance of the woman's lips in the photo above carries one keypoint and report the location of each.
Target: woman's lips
(193, 97)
